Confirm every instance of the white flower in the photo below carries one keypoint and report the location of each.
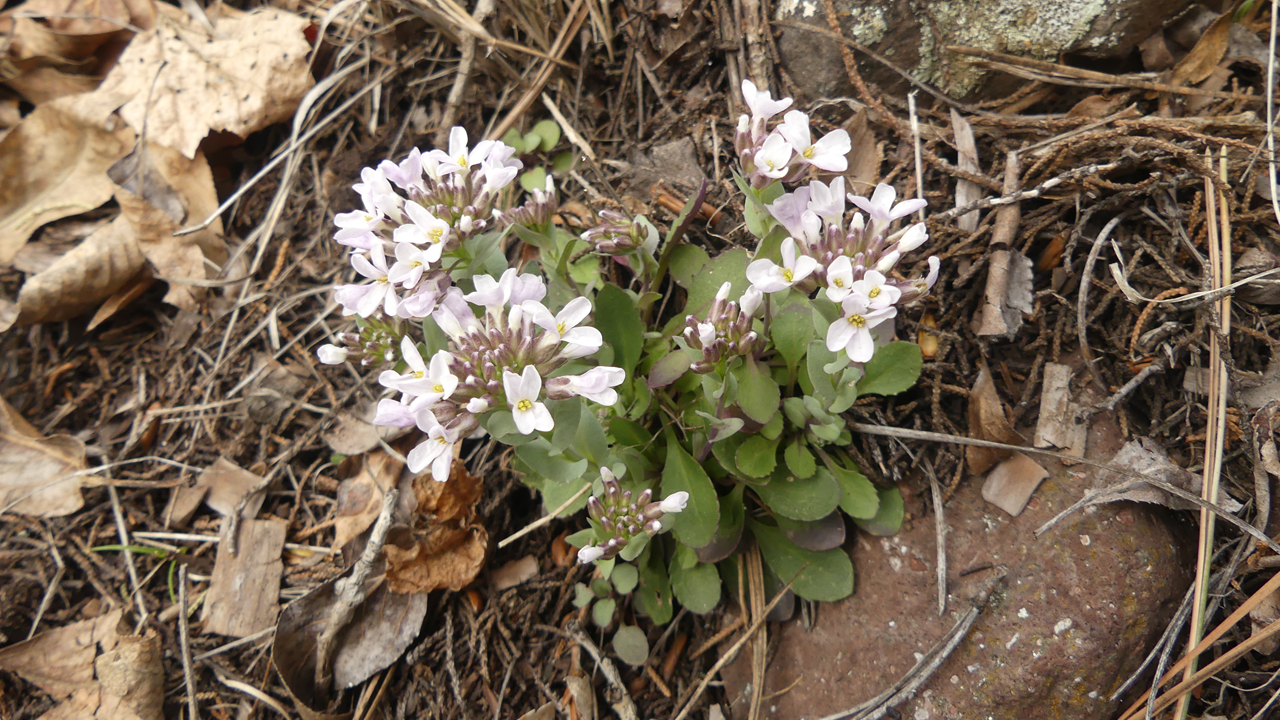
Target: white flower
(761, 102)
(454, 315)
(522, 395)
(420, 304)
(380, 291)
(827, 202)
(595, 384)
(675, 502)
(411, 262)
(872, 287)
(888, 260)
(407, 174)
(914, 237)
(436, 450)
(774, 158)
(498, 175)
(377, 194)
(706, 333)
(563, 327)
(393, 413)
(477, 406)
(826, 154)
(420, 381)
(590, 554)
(423, 228)
(852, 332)
(513, 288)
(839, 278)
(881, 208)
(525, 287)
(750, 301)
(332, 354)
(768, 277)
(723, 293)
(459, 159)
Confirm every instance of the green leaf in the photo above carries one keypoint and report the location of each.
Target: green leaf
(563, 162)
(894, 368)
(685, 264)
(696, 525)
(726, 451)
(888, 517)
(757, 456)
(799, 459)
(629, 433)
(548, 132)
(538, 455)
(858, 496)
(697, 588)
(846, 390)
(814, 575)
(602, 611)
(625, 578)
(792, 330)
(773, 428)
(729, 531)
(535, 179)
(670, 368)
(582, 595)
(582, 538)
(728, 267)
(515, 140)
(619, 322)
(812, 498)
(565, 414)
(555, 494)
(590, 441)
(818, 356)
(758, 394)
(653, 597)
(634, 548)
(631, 645)
(503, 429)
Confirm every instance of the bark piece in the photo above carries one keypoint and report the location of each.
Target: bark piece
(1057, 426)
(515, 573)
(967, 191)
(1010, 484)
(988, 421)
(1009, 294)
(244, 594)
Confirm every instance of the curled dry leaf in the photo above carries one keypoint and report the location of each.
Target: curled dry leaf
(78, 281)
(360, 497)
(1009, 294)
(354, 433)
(988, 421)
(382, 628)
(1145, 456)
(54, 166)
(250, 75)
(38, 475)
(446, 548)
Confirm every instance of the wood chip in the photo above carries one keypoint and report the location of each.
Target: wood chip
(244, 594)
(1009, 486)
(1057, 426)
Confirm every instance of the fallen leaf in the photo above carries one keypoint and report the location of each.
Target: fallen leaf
(1057, 426)
(271, 391)
(38, 474)
(54, 166)
(1009, 294)
(546, 712)
(1145, 456)
(1206, 55)
(381, 629)
(55, 240)
(1262, 615)
(83, 278)
(865, 156)
(1156, 55)
(250, 75)
(359, 498)
(446, 548)
(244, 593)
(515, 572)
(122, 298)
(60, 661)
(967, 191)
(1010, 484)
(988, 421)
(354, 432)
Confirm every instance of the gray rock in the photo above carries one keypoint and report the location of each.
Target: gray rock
(904, 32)
(1076, 614)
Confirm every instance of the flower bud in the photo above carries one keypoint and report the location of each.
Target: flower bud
(674, 502)
(915, 236)
(887, 262)
(750, 302)
(590, 554)
(332, 354)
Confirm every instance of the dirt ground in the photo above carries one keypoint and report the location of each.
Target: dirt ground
(156, 392)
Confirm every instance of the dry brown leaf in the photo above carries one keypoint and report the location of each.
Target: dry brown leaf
(1206, 55)
(188, 183)
(1010, 484)
(80, 280)
(122, 298)
(446, 548)
(360, 497)
(38, 475)
(251, 75)
(865, 157)
(380, 631)
(56, 239)
(1145, 456)
(967, 191)
(1009, 294)
(1265, 613)
(274, 385)
(354, 432)
(60, 661)
(515, 573)
(53, 166)
(222, 486)
(988, 421)
(244, 593)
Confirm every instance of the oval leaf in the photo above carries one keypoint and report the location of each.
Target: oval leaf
(697, 588)
(619, 322)
(888, 517)
(758, 394)
(800, 499)
(894, 368)
(631, 645)
(792, 330)
(858, 497)
(696, 524)
(825, 575)
(757, 456)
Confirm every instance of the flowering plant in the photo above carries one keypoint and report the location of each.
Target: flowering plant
(700, 429)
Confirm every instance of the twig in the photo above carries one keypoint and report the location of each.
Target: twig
(350, 592)
(569, 131)
(1082, 302)
(254, 693)
(122, 533)
(544, 519)
(1271, 114)
(184, 641)
(940, 532)
(463, 78)
(234, 644)
(1035, 192)
(620, 699)
(1125, 390)
(56, 580)
(577, 14)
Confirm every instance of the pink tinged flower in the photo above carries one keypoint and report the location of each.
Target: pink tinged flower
(381, 291)
(826, 154)
(853, 331)
(750, 302)
(377, 194)
(881, 208)
(522, 396)
(839, 279)
(392, 413)
(459, 158)
(454, 315)
(761, 102)
(774, 158)
(423, 229)
(590, 554)
(349, 297)
(675, 502)
(420, 304)
(827, 202)
(332, 354)
(878, 294)
(769, 277)
(489, 292)
(411, 262)
(358, 220)
(706, 333)
(497, 175)
(595, 384)
(436, 450)
(357, 239)
(914, 237)
(525, 287)
(408, 173)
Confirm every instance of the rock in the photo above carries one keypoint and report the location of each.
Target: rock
(1076, 614)
(903, 32)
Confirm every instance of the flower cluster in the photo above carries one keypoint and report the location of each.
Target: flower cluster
(788, 151)
(494, 363)
(726, 331)
(617, 234)
(622, 517)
